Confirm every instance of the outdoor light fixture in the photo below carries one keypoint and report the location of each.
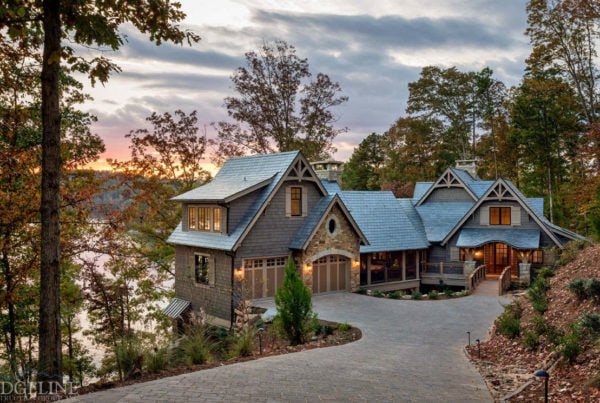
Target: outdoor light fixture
(478, 348)
(540, 373)
(469, 336)
(260, 332)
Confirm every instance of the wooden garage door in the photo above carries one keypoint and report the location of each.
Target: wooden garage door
(263, 276)
(330, 273)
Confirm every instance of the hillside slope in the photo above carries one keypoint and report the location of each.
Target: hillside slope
(558, 341)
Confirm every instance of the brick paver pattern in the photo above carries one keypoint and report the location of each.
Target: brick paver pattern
(411, 351)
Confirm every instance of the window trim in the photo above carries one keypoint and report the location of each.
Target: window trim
(194, 216)
(203, 279)
(296, 201)
(500, 215)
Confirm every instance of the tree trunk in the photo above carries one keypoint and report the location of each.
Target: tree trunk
(50, 354)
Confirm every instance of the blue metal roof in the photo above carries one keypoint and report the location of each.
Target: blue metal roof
(383, 221)
(176, 307)
(420, 189)
(439, 218)
(311, 222)
(235, 169)
(331, 187)
(517, 238)
(537, 204)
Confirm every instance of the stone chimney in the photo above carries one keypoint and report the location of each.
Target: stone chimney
(329, 170)
(469, 166)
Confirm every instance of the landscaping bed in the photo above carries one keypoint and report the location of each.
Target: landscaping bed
(433, 294)
(555, 333)
(324, 334)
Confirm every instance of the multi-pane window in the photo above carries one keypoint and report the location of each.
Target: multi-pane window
(201, 269)
(499, 215)
(204, 218)
(537, 257)
(216, 219)
(192, 217)
(296, 201)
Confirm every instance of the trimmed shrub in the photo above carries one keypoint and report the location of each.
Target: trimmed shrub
(378, 294)
(361, 290)
(537, 294)
(448, 292)
(344, 327)
(577, 287)
(590, 323)
(416, 295)
(569, 344)
(395, 295)
(545, 272)
(509, 323)
(593, 289)
(531, 340)
(433, 294)
(294, 306)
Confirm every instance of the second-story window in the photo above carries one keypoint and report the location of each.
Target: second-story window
(499, 215)
(204, 218)
(192, 217)
(296, 201)
(216, 219)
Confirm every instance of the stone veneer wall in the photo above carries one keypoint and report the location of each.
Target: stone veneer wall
(344, 242)
(214, 298)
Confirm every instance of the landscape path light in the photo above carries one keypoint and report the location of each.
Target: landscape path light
(540, 373)
(260, 332)
(469, 337)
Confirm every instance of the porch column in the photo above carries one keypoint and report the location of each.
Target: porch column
(418, 265)
(403, 265)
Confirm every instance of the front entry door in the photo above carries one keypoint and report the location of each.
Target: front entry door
(498, 256)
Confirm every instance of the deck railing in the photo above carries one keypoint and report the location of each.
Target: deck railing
(443, 268)
(504, 281)
(478, 275)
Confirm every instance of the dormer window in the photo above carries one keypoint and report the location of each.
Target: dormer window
(499, 215)
(204, 218)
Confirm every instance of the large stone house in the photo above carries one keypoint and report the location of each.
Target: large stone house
(238, 231)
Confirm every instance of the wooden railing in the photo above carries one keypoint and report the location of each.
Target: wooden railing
(442, 268)
(504, 281)
(478, 275)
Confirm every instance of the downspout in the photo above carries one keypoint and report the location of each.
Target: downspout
(232, 310)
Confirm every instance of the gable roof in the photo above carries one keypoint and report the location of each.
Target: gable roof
(455, 178)
(317, 216)
(505, 189)
(264, 173)
(384, 222)
(439, 218)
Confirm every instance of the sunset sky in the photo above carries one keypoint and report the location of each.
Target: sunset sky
(372, 48)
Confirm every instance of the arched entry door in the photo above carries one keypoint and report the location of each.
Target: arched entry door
(498, 255)
(330, 273)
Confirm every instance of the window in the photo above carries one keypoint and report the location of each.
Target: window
(296, 201)
(201, 269)
(499, 215)
(204, 218)
(537, 257)
(192, 217)
(216, 219)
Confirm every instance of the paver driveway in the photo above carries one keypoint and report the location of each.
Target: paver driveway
(410, 351)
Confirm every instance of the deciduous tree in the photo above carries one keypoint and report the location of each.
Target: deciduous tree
(279, 107)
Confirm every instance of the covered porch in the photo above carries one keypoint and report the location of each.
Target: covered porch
(386, 271)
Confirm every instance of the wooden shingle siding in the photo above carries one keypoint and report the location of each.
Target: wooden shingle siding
(449, 194)
(239, 207)
(214, 298)
(273, 232)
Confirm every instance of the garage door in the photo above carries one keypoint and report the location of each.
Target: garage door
(330, 273)
(263, 276)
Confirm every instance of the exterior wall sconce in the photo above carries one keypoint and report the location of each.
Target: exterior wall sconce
(239, 273)
(307, 269)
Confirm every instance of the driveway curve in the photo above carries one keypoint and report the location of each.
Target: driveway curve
(411, 351)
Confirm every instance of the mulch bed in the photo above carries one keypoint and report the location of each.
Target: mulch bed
(271, 346)
(507, 366)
